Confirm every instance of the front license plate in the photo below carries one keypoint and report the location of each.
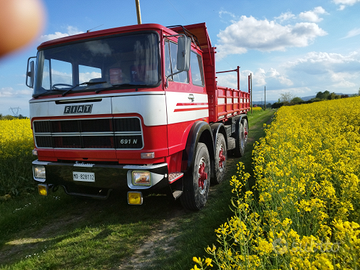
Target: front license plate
(84, 176)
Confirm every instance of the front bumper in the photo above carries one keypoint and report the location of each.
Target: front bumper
(96, 179)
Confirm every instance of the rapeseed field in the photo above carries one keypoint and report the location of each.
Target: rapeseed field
(16, 144)
(303, 212)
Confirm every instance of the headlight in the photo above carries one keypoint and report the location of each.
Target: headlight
(141, 178)
(39, 172)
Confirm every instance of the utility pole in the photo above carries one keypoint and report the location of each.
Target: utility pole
(138, 12)
(250, 91)
(265, 97)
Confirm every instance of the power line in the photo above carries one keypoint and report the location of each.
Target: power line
(177, 11)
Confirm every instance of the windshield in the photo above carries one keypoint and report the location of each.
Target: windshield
(123, 61)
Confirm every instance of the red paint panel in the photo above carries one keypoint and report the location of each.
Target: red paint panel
(178, 134)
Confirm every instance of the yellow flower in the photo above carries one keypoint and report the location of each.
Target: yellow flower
(208, 262)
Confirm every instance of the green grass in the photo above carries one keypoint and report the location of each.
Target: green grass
(63, 232)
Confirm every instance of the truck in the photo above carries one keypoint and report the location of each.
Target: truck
(134, 108)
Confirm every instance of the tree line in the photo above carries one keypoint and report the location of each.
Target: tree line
(287, 99)
(11, 117)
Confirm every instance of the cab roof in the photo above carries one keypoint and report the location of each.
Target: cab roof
(198, 31)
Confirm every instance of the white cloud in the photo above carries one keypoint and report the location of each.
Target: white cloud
(352, 33)
(285, 16)
(264, 35)
(322, 70)
(271, 77)
(312, 15)
(222, 12)
(314, 72)
(344, 3)
(275, 82)
(230, 79)
(71, 30)
(324, 62)
(9, 92)
(6, 92)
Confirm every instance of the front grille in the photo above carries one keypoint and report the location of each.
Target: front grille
(106, 133)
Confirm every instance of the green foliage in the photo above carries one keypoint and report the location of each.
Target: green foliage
(296, 100)
(277, 105)
(323, 95)
(326, 95)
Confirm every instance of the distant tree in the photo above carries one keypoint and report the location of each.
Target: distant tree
(277, 105)
(315, 100)
(286, 97)
(21, 116)
(333, 96)
(323, 95)
(296, 100)
(8, 117)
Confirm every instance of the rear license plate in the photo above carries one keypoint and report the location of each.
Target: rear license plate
(84, 176)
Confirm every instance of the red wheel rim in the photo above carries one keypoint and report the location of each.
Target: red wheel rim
(222, 158)
(202, 174)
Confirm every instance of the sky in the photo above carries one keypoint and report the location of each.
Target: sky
(296, 47)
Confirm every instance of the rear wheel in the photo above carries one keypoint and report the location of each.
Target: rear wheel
(220, 159)
(246, 130)
(196, 186)
(241, 138)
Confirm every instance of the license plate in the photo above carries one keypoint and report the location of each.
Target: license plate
(84, 176)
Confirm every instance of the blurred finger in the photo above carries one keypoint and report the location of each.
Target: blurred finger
(20, 22)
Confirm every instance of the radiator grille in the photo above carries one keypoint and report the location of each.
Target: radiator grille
(116, 133)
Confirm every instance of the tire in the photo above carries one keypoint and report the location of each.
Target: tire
(197, 184)
(220, 159)
(241, 138)
(246, 130)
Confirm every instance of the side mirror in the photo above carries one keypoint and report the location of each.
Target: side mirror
(183, 53)
(30, 73)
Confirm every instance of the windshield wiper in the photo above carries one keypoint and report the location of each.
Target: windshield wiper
(91, 82)
(56, 90)
(123, 85)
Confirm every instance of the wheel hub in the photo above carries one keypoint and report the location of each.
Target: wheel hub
(222, 158)
(202, 175)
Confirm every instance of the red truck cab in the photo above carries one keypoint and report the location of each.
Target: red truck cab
(136, 108)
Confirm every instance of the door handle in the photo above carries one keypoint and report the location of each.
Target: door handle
(191, 97)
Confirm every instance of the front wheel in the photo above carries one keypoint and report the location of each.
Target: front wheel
(196, 186)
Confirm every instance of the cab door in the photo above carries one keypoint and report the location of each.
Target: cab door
(186, 96)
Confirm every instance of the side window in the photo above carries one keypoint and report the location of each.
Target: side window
(197, 74)
(46, 75)
(170, 64)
